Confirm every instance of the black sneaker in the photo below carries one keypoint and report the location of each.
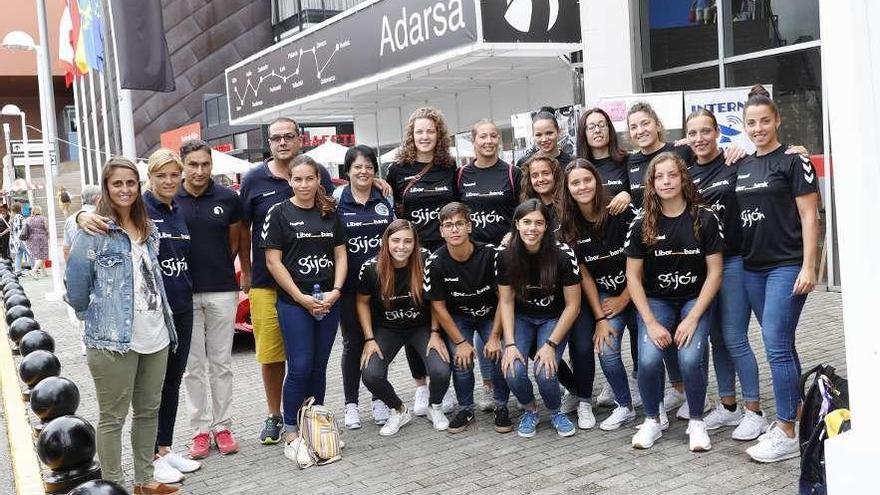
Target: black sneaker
(461, 421)
(502, 420)
(271, 433)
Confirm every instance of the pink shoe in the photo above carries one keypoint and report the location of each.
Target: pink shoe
(201, 446)
(226, 443)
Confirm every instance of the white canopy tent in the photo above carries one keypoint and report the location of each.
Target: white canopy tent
(328, 153)
(227, 164)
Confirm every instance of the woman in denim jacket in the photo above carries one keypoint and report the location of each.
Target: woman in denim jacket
(114, 283)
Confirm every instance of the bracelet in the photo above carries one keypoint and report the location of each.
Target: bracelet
(509, 345)
(338, 288)
(600, 319)
(370, 339)
(435, 330)
(551, 343)
(462, 341)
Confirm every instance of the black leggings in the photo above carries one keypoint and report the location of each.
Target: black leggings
(375, 375)
(183, 323)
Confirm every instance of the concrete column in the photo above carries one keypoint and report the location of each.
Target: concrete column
(851, 55)
(608, 34)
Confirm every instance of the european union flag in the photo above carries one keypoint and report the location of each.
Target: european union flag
(92, 32)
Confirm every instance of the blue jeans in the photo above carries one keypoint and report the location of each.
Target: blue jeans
(731, 352)
(778, 312)
(691, 359)
(579, 378)
(307, 342)
(530, 330)
(610, 359)
(463, 378)
(19, 256)
(486, 364)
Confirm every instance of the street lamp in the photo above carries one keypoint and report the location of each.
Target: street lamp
(14, 111)
(19, 40)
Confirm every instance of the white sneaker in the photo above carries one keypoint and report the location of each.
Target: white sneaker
(486, 402)
(664, 418)
(297, 452)
(751, 426)
(720, 417)
(606, 396)
(164, 473)
(619, 417)
(380, 412)
(586, 420)
(699, 438)
(634, 392)
(395, 420)
(569, 403)
(449, 401)
(684, 412)
(420, 401)
(352, 417)
(649, 432)
(774, 447)
(673, 398)
(181, 463)
(436, 416)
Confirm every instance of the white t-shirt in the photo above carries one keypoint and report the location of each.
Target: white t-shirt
(149, 333)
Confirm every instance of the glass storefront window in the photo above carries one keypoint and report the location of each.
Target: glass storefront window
(677, 32)
(797, 90)
(754, 25)
(706, 78)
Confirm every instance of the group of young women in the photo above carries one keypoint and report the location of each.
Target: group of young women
(678, 243)
(506, 265)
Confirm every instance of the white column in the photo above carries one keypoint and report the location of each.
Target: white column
(84, 136)
(105, 116)
(99, 160)
(79, 137)
(851, 54)
(26, 146)
(607, 31)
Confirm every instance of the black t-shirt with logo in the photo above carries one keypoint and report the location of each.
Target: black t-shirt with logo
(637, 164)
(675, 266)
(403, 314)
(766, 187)
(716, 183)
(364, 225)
(422, 202)
(307, 242)
(614, 175)
(603, 255)
(492, 194)
(468, 287)
(543, 302)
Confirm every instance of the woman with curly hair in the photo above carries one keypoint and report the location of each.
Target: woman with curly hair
(542, 179)
(423, 181)
(673, 271)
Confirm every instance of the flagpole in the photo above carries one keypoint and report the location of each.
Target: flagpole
(84, 132)
(126, 121)
(25, 146)
(104, 115)
(94, 116)
(79, 144)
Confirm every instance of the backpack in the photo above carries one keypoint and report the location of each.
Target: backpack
(320, 434)
(828, 393)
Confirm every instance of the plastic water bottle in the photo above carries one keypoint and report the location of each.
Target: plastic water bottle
(319, 296)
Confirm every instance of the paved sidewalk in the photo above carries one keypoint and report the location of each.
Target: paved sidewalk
(420, 460)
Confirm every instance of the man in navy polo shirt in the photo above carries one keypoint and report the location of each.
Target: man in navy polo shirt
(261, 188)
(213, 215)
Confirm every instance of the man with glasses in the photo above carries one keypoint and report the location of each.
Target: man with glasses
(460, 283)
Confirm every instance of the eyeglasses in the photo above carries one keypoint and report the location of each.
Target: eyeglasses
(459, 225)
(601, 126)
(286, 137)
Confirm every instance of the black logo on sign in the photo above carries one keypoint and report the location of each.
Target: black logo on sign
(507, 21)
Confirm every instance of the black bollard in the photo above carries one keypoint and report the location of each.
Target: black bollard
(53, 397)
(17, 312)
(98, 487)
(35, 340)
(67, 447)
(11, 285)
(35, 367)
(21, 327)
(10, 293)
(17, 300)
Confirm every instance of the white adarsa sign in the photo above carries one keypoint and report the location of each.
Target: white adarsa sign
(418, 26)
(728, 105)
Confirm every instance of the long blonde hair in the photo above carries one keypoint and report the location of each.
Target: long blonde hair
(408, 153)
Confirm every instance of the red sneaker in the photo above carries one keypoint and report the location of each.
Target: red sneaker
(226, 443)
(201, 446)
